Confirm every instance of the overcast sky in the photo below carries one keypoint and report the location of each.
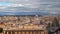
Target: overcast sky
(45, 6)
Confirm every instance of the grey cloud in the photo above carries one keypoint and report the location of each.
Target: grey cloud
(48, 6)
(55, 6)
(50, 0)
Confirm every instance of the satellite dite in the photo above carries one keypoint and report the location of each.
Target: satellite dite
(29, 16)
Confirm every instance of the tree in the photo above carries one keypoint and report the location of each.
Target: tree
(51, 28)
(48, 27)
(55, 23)
(1, 30)
(41, 22)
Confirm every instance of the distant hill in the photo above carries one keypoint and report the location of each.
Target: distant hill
(25, 13)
